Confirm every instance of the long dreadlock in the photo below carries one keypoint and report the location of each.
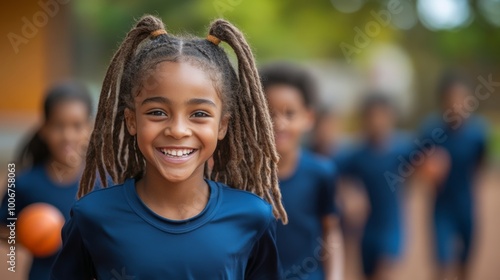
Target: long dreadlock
(245, 159)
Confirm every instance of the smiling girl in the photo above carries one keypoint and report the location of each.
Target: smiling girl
(169, 104)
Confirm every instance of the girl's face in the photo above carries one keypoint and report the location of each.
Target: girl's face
(291, 117)
(177, 121)
(66, 132)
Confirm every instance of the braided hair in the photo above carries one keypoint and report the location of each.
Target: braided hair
(245, 159)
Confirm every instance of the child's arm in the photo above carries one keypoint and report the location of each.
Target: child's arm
(333, 260)
(264, 261)
(73, 262)
(333, 249)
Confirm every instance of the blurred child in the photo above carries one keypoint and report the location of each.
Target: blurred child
(52, 161)
(369, 163)
(168, 104)
(464, 138)
(306, 244)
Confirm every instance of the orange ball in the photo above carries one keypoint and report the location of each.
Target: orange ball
(39, 229)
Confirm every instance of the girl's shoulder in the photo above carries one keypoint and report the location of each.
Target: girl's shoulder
(242, 196)
(100, 193)
(244, 203)
(99, 201)
(34, 175)
(33, 172)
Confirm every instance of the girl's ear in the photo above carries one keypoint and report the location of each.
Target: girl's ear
(130, 121)
(223, 127)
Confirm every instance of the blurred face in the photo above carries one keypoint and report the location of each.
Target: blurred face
(378, 122)
(177, 122)
(327, 131)
(455, 97)
(66, 132)
(291, 117)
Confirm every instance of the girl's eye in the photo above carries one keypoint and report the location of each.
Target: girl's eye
(200, 114)
(157, 113)
(289, 114)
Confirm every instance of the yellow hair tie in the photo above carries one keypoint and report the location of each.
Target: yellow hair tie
(213, 39)
(158, 32)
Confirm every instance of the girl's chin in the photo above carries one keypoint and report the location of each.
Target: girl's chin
(68, 162)
(175, 179)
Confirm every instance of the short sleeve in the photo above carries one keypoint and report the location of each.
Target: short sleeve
(264, 263)
(327, 191)
(73, 261)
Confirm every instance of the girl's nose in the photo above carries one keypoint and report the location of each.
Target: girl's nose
(178, 129)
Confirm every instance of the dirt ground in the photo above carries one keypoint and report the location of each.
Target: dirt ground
(417, 263)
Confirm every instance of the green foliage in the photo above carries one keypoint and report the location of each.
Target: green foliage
(292, 29)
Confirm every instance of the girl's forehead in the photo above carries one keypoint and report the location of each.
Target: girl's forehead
(177, 81)
(175, 73)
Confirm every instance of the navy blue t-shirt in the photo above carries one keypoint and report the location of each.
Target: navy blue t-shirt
(34, 186)
(113, 234)
(466, 146)
(308, 196)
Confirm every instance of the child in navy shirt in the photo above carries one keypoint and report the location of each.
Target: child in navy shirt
(464, 139)
(306, 244)
(369, 163)
(168, 104)
(51, 163)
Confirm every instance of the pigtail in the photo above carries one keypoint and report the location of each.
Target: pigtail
(248, 158)
(112, 151)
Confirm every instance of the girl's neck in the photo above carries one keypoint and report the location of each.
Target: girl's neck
(175, 201)
(63, 174)
(288, 163)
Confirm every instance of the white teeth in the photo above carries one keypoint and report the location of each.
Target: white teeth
(176, 152)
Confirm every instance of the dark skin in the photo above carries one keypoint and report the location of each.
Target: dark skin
(378, 124)
(182, 114)
(291, 120)
(66, 133)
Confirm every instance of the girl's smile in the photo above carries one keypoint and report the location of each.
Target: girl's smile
(177, 155)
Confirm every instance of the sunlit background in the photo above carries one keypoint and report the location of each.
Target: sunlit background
(399, 46)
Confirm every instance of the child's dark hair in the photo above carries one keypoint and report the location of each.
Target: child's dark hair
(376, 99)
(36, 152)
(245, 159)
(284, 73)
(450, 79)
